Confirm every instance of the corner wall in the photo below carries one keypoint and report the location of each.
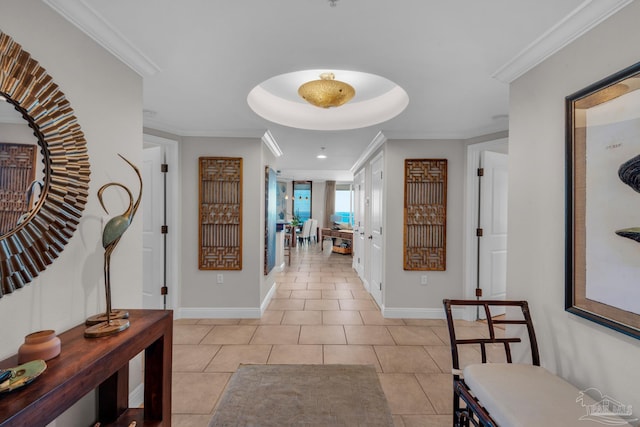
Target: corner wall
(585, 353)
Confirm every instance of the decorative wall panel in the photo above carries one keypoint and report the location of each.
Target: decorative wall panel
(425, 214)
(220, 237)
(17, 174)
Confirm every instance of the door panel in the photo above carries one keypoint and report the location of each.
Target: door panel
(377, 249)
(359, 224)
(152, 208)
(492, 257)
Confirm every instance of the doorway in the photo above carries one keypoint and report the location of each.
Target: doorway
(486, 222)
(160, 288)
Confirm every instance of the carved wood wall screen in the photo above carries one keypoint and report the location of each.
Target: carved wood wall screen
(425, 214)
(36, 242)
(220, 236)
(17, 173)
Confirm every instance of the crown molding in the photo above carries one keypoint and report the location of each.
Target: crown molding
(586, 16)
(271, 143)
(376, 143)
(90, 22)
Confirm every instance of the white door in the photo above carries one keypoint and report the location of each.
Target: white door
(377, 248)
(359, 224)
(152, 208)
(492, 257)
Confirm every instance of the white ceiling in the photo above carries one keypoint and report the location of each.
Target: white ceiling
(200, 59)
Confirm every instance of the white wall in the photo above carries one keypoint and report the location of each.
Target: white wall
(404, 296)
(584, 352)
(239, 295)
(107, 99)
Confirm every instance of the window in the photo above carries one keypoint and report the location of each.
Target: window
(344, 213)
(302, 200)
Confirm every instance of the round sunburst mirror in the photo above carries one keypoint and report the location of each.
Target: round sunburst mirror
(42, 231)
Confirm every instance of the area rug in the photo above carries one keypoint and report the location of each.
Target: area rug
(303, 395)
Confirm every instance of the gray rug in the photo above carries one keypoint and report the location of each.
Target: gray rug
(303, 395)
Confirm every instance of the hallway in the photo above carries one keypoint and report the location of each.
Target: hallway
(320, 314)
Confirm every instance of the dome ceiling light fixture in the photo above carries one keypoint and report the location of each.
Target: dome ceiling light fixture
(326, 92)
(377, 100)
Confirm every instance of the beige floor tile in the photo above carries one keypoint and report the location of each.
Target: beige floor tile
(269, 317)
(426, 322)
(286, 304)
(321, 286)
(190, 334)
(292, 286)
(186, 420)
(230, 334)
(321, 313)
(404, 394)
(369, 335)
(357, 304)
(296, 354)
(333, 279)
(306, 294)
(338, 294)
(339, 317)
(196, 393)
(439, 391)
(192, 358)
(282, 294)
(405, 359)
(442, 356)
(302, 317)
(427, 420)
(321, 304)
(414, 335)
(276, 334)
(219, 322)
(231, 356)
(325, 334)
(371, 317)
(349, 286)
(351, 355)
(359, 294)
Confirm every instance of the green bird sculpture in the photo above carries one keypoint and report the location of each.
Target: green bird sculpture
(114, 321)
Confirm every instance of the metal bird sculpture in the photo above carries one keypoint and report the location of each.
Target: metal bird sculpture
(114, 321)
(629, 173)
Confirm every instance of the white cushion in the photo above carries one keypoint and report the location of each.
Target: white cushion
(527, 396)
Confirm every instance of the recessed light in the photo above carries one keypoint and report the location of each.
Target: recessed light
(321, 154)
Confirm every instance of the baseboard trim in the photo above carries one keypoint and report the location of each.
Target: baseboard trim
(267, 299)
(220, 313)
(420, 313)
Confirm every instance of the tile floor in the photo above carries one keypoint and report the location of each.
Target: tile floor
(320, 314)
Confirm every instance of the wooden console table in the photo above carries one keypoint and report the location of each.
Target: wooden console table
(341, 234)
(85, 364)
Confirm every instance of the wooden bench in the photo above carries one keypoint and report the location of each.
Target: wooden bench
(510, 394)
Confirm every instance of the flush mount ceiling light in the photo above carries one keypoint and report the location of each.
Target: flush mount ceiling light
(377, 100)
(326, 92)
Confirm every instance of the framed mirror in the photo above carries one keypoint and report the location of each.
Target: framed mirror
(56, 198)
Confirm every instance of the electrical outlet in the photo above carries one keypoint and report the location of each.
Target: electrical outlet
(220, 279)
(423, 279)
